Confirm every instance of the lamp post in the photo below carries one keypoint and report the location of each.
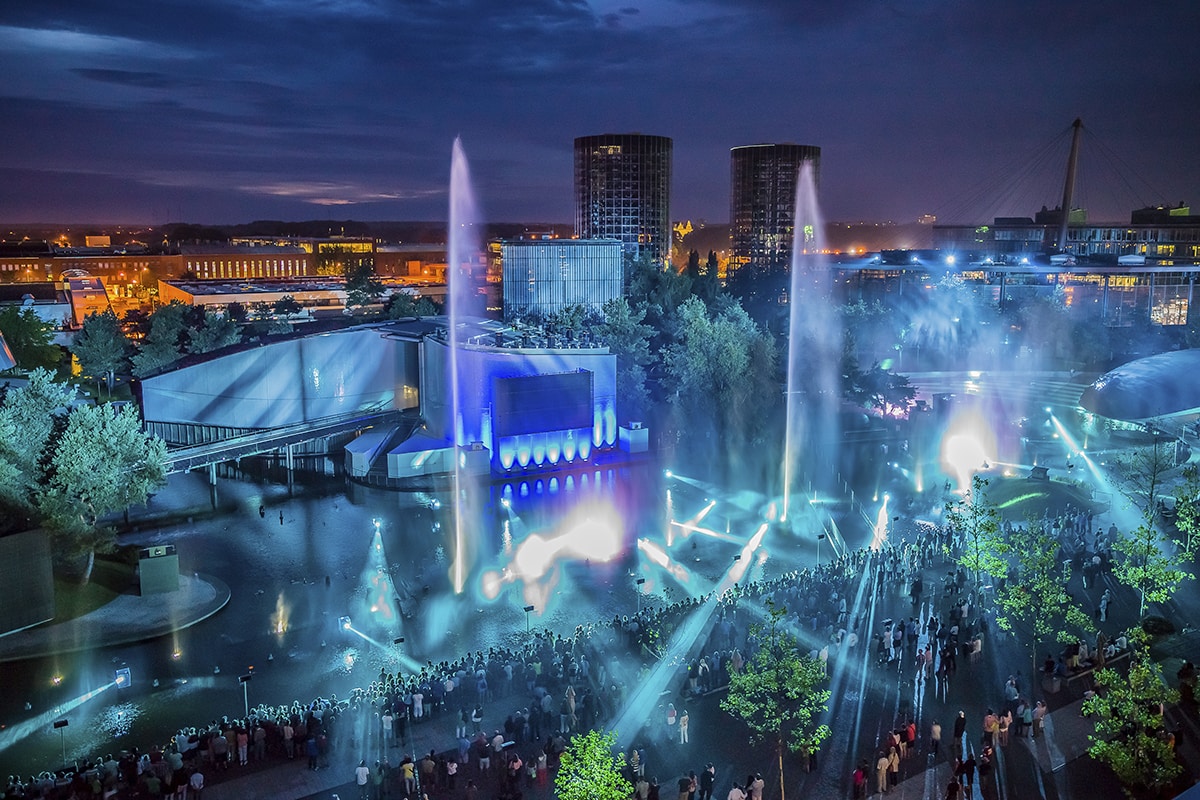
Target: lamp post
(638, 591)
(527, 610)
(244, 680)
(61, 727)
(820, 536)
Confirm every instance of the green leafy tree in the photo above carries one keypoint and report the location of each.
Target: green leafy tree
(287, 306)
(888, 392)
(570, 319)
(29, 338)
(628, 337)
(100, 462)
(660, 288)
(708, 285)
(977, 524)
(1034, 598)
(162, 345)
(1187, 510)
(590, 771)
(721, 371)
(1148, 559)
(780, 694)
(1130, 737)
(237, 312)
(102, 348)
(30, 412)
(213, 332)
(362, 285)
(403, 305)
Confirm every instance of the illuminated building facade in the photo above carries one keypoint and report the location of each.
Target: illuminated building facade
(543, 276)
(623, 191)
(762, 203)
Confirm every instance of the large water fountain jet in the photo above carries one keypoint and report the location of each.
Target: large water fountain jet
(462, 256)
(814, 353)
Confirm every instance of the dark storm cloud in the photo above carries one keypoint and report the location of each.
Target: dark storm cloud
(356, 102)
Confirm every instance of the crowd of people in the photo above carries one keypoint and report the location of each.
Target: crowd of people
(554, 686)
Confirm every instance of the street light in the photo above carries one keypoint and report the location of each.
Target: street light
(527, 610)
(820, 536)
(244, 680)
(638, 591)
(61, 727)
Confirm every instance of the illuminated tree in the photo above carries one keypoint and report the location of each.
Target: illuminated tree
(626, 336)
(589, 770)
(402, 305)
(721, 374)
(1035, 596)
(887, 392)
(1187, 510)
(29, 338)
(1148, 559)
(161, 347)
(977, 524)
(286, 306)
(102, 348)
(212, 331)
(362, 285)
(99, 462)
(1130, 736)
(779, 693)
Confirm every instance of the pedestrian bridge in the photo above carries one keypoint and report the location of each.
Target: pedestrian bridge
(208, 454)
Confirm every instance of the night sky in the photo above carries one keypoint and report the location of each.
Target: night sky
(164, 110)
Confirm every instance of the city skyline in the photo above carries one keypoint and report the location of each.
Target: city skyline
(221, 112)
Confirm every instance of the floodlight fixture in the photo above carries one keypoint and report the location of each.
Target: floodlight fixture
(61, 723)
(344, 623)
(246, 677)
(398, 640)
(123, 678)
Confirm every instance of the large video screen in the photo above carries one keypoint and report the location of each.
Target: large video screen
(536, 403)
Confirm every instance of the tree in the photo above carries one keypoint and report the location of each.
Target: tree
(977, 523)
(1149, 561)
(30, 412)
(1187, 510)
(287, 306)
(779, 693)
(29, 338)
(1130, 736)
(362, 286)
(590, 771)
(887, 392)
(1034, 596)
(213, 332)
(403, 305)
(237, 312)
(721, 371)
(100, 461)
(628, 337)
(102, 348)
(161, 347)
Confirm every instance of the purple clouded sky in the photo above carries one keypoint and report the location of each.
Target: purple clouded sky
(230, 110)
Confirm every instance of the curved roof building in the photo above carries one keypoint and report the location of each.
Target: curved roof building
(1164, 385)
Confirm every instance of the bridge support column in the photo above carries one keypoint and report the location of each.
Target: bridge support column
(212, 484)
(291, 464)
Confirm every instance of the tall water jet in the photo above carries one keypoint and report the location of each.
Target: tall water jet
(814, 352)
(462, 303)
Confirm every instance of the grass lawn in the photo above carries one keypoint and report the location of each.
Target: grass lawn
(109, 579)
(1019, 498)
